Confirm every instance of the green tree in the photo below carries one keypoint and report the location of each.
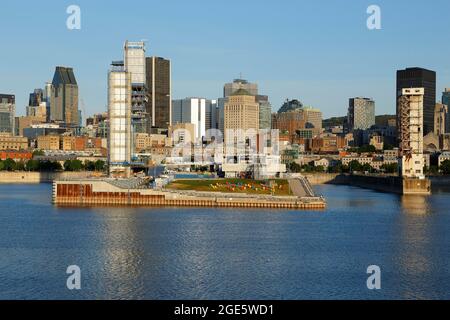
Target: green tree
(73, 165)
(390, 168)
(2, 165)
(10, 164)
(319, 169)
(32, 165)
(38, 153)
(100, 165)
(354, 165)
(367, 168)
(89, 165)
(294, 167)
(20, 166)
(445, 167)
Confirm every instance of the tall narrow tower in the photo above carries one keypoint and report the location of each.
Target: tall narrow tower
(410, 126)
(119, 108)
(64, 98)
(135, 64)
(159, 96)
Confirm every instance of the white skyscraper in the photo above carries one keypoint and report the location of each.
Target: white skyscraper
(119, 108)
(134, 59)
(192, 110)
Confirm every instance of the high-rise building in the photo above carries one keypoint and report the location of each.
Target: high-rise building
(446, 101)
(361, 114)
(119, 109)
(64, 98)
(159, 96)
(212, 115)
(440, 118)
(313, 119)
(36, 98)
(7, 113)
(420, 78)
(134, 60)
(265, 115)
(191, 110)
(241, 114)
(230, 88)
(37, 105)
(410, 125)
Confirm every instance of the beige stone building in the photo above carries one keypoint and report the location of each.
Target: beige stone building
(26, 122)
(145, 141)
(182, 132)
(10, 142)
(440, 118)
(50, 142)
(241, 113)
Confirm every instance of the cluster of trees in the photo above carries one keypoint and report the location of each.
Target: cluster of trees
(31, 165)
(49, 166)
(353, 166)
(77, 165)
(296, 168)
(364, 149)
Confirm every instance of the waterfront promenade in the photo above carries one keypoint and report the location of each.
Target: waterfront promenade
(106, 192)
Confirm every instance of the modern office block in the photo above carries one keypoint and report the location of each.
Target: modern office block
(7, 113)
(420, 78)
(192, 110)
(361, 114)
(64, 98)
(159, 96)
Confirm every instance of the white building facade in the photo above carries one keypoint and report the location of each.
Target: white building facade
(119, 108)
(194, 111)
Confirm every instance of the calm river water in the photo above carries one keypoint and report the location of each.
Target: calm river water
(179, 253)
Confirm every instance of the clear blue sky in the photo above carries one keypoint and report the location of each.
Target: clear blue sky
(317, 51)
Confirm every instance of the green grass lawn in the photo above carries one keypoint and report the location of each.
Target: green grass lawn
(247, 186)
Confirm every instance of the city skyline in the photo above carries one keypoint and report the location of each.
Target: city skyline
(337, 54)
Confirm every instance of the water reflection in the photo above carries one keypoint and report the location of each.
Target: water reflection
(414, 246)
(122, 253)
(415, 205)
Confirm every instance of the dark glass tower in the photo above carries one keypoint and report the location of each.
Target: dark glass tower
(159, 98)
(64, 98)
(420, 78)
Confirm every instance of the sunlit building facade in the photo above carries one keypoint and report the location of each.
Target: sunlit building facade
(119, 108)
